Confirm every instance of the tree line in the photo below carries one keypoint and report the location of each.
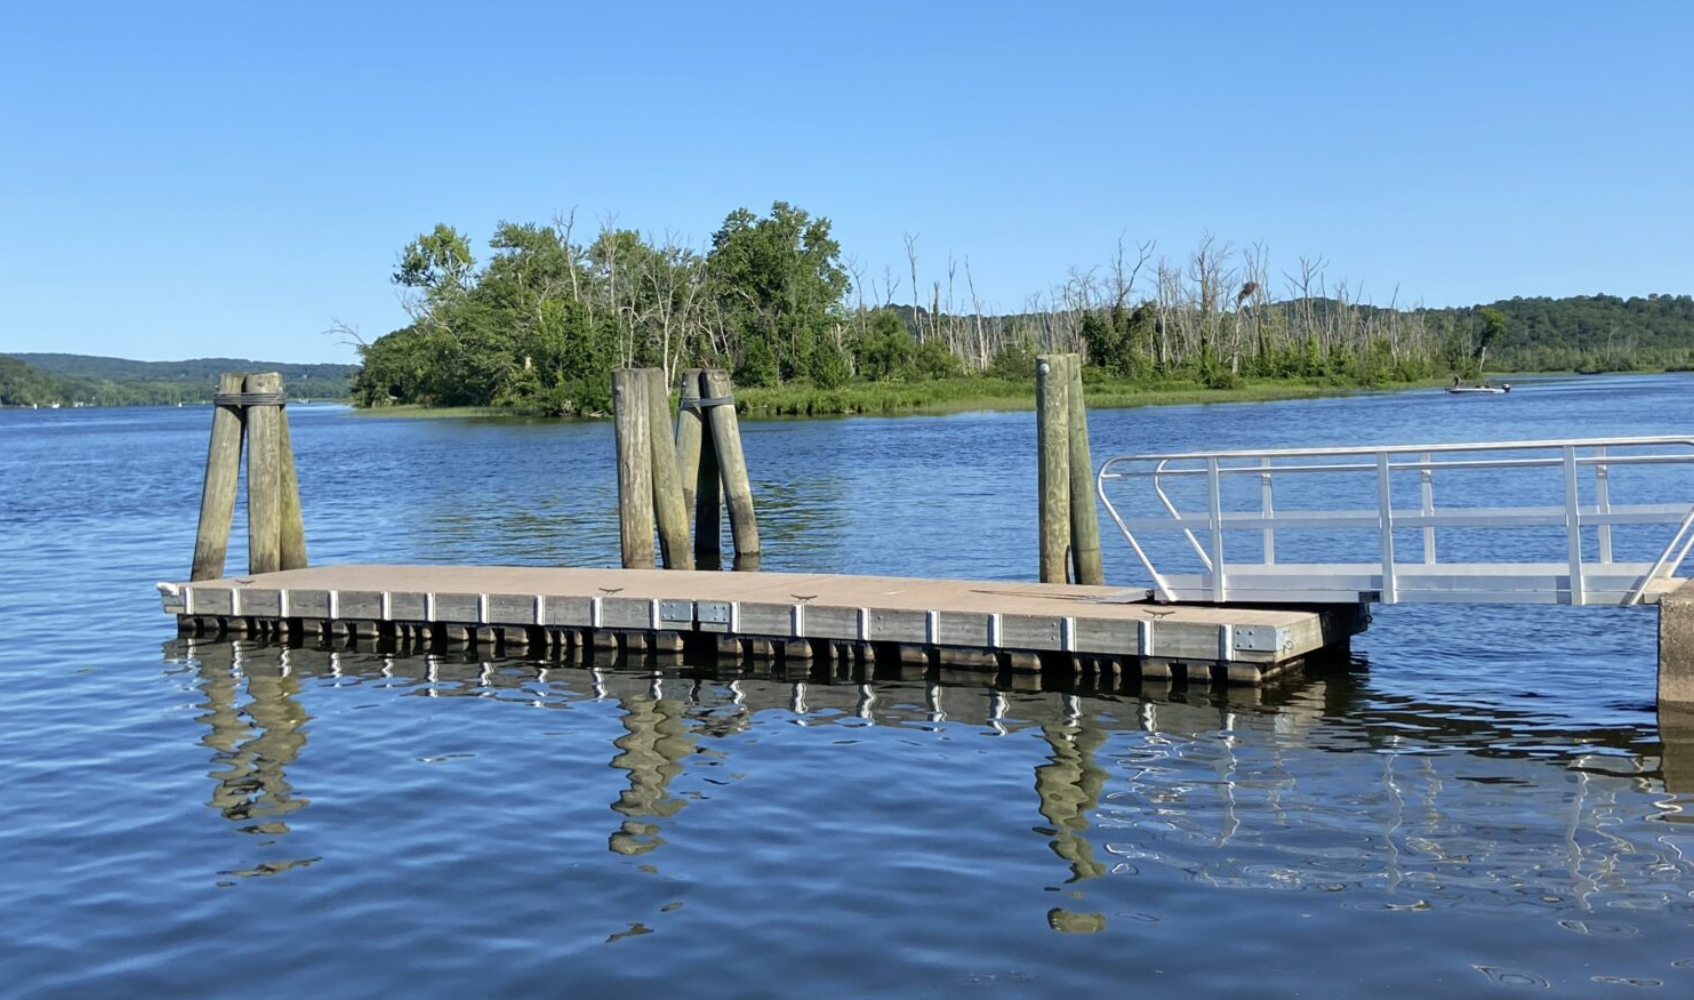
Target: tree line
(66, 379)
(539, 323)
(26, 385)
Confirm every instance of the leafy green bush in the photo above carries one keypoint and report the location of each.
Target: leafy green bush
(932, 360)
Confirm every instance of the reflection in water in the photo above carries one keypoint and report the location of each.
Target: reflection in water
(1401, 806)
(1407, 825)
(655, 744)
(253, 744)
(1069, 785)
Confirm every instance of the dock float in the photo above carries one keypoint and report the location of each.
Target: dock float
(795, 616)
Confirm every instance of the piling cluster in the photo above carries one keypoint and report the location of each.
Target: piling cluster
(1070, 524)
(251, 417)
(661, 475)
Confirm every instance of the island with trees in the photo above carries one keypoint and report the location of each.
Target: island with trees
(537, 325)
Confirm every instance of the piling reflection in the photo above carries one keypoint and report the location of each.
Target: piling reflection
(1069, 786)
(1319, 786)
(655, 743)
(253, 743)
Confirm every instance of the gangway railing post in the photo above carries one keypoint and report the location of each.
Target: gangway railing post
(1426, 480)
(1385, 516)
(1573, 527)
(1267, 507)
(1603, 504)
(1214, 491)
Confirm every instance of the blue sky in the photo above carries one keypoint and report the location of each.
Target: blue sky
(189, 179)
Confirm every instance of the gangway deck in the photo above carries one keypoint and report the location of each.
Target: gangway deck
(1350, 513)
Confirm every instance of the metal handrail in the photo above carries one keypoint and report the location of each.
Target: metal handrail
(1159, 489)
(1401, 449)
(1504, 463)
(1385, 518)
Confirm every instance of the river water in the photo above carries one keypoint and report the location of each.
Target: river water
(1476, 803)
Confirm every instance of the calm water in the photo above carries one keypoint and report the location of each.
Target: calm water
(1476, 804)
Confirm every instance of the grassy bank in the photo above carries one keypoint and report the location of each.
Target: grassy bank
(956, 395)
(960, 395)
(417, 411)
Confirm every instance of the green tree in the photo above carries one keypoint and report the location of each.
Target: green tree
(932, 360)
(1015, 360)
(1493, 332)
(885, 348)
(829, 365)
(779, 283)
(438, 262)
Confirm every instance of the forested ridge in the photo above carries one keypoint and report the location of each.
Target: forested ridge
(67, 379)
(538, 324)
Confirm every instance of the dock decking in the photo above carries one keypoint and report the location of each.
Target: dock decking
(794, 615)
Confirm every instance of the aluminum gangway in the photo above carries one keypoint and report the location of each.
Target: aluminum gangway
(1517, 522)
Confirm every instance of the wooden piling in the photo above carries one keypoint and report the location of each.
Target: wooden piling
(732, 465)
(669, 506)
(698, 458)
(690, 429)
(264, 476)
(292, 544)
(223, 472)
(1052, 422)
(708, 505)
(1085, 517)
(635, 467)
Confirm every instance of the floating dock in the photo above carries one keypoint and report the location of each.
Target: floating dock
(795, 616)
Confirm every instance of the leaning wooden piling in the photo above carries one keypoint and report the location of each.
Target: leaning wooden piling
(1084, 515)
(732, 463)
(223, 474)
(291, 549)
(635, 467)
(669, 507)
(690, 431)
(1052, 430)
(264, 472)
(708, 508)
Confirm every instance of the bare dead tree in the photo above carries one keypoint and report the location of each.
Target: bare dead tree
(976, 320)
(346, 334)
(912, 258)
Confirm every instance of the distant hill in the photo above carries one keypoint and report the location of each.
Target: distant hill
(21, 385)
(194, 370)
(27, 378)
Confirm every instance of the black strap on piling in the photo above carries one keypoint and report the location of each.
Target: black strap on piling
(701, 404)
(250, 399)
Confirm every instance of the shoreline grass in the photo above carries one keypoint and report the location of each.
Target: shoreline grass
(965, 395)
(976, 394)
(943, 396)
(418, 411)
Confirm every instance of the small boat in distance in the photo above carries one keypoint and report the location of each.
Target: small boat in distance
(1459, 388)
